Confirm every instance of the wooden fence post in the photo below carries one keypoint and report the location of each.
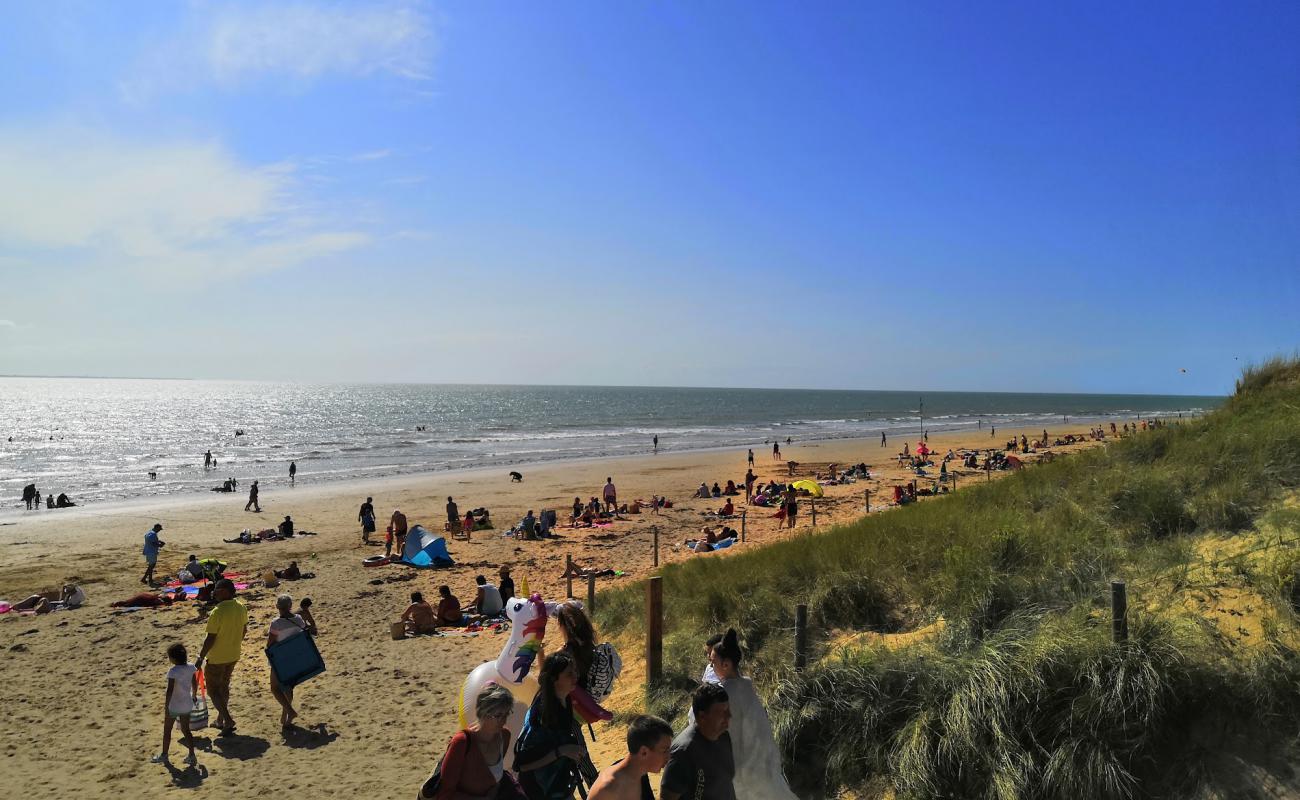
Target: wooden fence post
(866, 497)
(742, 524)
(654, 642)
(812, 501)
(568, 575)
(1118, 611)
(800, 637)
(591, 593)
(656, 532)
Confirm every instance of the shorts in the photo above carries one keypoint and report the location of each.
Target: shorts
(368, 525)
(219, 674)
(151, 560)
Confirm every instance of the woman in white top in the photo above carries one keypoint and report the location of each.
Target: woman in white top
(285, 626)
(758, 761)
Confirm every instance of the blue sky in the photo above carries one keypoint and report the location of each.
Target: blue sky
(1004, 196)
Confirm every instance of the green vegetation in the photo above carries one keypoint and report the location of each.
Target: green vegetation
(1020, 693)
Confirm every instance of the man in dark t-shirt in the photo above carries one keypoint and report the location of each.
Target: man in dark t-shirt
(700, 762)
(453, 513)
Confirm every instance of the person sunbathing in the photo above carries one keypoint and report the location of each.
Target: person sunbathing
(150, 600)
(418, 616)
(71, 596)
(289, 573)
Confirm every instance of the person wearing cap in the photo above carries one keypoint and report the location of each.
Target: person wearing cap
(152, 544)
(505, 586)
(221, 648)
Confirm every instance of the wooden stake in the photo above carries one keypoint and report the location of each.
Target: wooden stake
(656, 532)
(1118, 611)
(742, 524)
(800, 637)
(568, 575)
(654, 643)
(591, 594)
(812, 501)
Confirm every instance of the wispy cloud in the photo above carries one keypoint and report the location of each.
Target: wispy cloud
(178, 210)
(373, 155)
(233, 45)
(8, 323)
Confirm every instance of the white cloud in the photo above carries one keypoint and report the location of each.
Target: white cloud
(8, 323)
(236, 44)
(182, 210)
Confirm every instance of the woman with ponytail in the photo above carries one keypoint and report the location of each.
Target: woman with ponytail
(753, 747)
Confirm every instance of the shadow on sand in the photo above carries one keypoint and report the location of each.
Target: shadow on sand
(308, 738)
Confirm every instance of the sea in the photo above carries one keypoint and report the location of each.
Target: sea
(98, 439)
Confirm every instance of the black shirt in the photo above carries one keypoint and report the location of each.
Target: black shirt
(699, 769)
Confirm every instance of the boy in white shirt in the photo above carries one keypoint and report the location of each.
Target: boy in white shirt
(178, 703)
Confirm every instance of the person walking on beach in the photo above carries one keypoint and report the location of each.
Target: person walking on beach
(656, 443)
(293, 471)
(776, 451)
(207, 459)
(286, 626)
(453, 514)
(367, 518)
(225, 639)
(700, 762)
(178, 702)
(252, 499)
(648, 740)
(751, 456)
(152, 544)
(750, 477)
(791, 508)
(611, 496)
(882, 438)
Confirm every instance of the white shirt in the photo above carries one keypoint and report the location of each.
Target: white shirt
(182, 696)
(286, 628)
(75, 599)
(492, 604)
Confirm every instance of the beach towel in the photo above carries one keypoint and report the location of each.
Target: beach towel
(295, 660)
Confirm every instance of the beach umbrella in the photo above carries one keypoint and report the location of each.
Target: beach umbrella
(811, 487)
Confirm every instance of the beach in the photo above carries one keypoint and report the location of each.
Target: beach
(84, 687)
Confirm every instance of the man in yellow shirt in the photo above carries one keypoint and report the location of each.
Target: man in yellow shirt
(226, 626)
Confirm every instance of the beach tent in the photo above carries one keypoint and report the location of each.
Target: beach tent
(811, 487)
(423, 549)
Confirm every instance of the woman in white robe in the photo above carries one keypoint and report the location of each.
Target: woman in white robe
(753, 748)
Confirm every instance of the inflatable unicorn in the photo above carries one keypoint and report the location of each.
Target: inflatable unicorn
(514, 668)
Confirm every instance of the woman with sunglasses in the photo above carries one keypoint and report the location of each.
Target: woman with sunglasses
(474, 763)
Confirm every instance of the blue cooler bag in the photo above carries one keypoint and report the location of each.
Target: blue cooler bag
(295, 660)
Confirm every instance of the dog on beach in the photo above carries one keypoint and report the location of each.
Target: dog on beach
(516, 477)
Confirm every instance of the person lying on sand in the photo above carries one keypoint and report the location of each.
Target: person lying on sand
(150, 600)
(71, 596)
(289, 573)
(245, 537)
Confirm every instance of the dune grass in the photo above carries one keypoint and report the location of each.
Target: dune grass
(1022, 694)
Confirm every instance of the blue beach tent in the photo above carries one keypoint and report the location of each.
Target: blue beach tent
(423, 549)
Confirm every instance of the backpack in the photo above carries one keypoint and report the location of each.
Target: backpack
(605, 668)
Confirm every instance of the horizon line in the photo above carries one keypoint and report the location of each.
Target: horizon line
(603, 386)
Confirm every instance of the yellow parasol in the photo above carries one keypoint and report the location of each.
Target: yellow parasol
(811, 487)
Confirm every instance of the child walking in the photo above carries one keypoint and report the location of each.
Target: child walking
(182, 693)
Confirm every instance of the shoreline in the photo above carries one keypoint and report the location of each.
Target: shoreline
(406, 481)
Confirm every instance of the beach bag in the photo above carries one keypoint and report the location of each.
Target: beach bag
(429, 789)
(199, 715)
(605, 668)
